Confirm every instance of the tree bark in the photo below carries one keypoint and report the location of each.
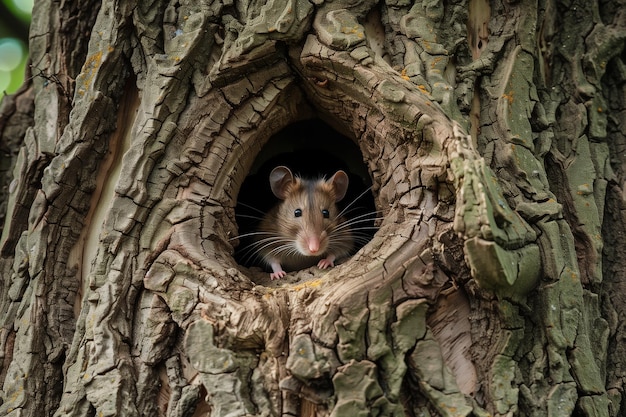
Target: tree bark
(492, 135)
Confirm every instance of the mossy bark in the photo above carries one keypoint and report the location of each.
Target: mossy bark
(492, 132)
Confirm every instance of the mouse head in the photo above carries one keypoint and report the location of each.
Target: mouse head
(308, 214)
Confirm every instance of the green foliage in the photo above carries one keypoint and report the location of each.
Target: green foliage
(14, 21)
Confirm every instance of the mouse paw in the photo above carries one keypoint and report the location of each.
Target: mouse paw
(277, 270)
(277, 275)
(326, 262)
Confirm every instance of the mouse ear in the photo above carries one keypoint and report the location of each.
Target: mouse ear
(339, 182)
(280, 181)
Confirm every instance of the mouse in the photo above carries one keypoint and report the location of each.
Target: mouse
(305, 228)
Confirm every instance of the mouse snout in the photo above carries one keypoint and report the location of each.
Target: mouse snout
(312, 244)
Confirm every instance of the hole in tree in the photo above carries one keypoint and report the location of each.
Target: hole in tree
(310, 149)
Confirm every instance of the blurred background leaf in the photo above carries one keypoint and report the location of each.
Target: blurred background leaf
(14, 21)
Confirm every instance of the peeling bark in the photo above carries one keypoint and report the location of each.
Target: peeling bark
(491, 133)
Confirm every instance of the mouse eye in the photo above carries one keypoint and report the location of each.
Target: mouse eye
(297, 213)
(325, 213)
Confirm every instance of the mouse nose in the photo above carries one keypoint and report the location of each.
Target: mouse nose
(314, 245)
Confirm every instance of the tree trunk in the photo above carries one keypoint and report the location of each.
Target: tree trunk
(492, 136)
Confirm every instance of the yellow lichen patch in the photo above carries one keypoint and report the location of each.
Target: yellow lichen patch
(94, 60)
(89, 69)
(451, 410)
(509, 96)
(423, 89)
(353, 30)
(403, 74)
(308, 284)
(572, 274)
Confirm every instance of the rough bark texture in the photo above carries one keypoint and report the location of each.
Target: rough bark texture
(494, 137)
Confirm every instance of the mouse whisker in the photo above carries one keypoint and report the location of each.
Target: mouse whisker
(285, 249)
(358, 220)
(269, 242)
(362, 239)
(278, 242)
(250, 234)
(249, 216)
(239, 203)
(346, 213)
(350, 225)
(354, 201)
(348, 229)
(372, 215)
(255, 249)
